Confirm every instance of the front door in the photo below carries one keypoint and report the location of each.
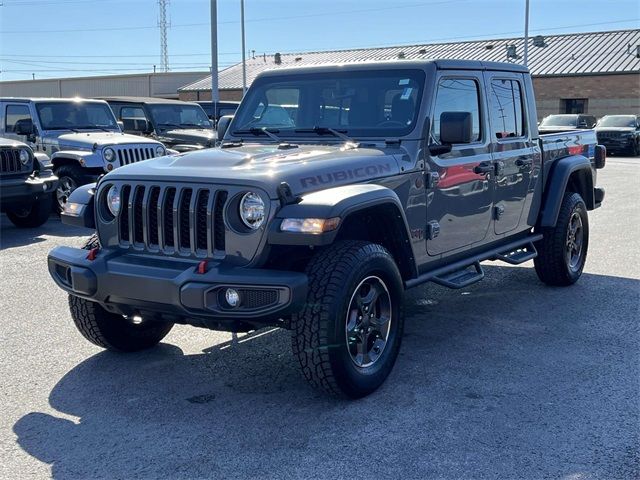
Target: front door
(512, 148)
(459, 211)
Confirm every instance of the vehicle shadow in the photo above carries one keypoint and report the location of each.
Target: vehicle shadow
(11, 236)
(509, 379)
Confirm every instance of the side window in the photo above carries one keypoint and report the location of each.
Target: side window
(16, 114)
(457, 95)
(132, 112)
(507, 114)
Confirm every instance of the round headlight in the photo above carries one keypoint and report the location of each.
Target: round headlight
(24, 156)
(252, 210)
(160, 151)
(109, 155)
(113, 200)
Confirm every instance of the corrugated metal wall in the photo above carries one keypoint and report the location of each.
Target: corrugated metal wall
(147, 85)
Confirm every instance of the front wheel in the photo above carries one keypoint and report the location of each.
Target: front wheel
(562, 252)
(69, 178)
(348, 335)
(33, 216)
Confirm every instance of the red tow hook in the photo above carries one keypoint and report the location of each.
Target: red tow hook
(93, 253)
(202, 267)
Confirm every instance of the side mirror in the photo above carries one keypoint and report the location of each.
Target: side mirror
(139, 125)
(223, 126)
(24, 127)
(456, 127)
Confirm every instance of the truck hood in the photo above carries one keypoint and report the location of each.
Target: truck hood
(86, 140)
(306, 168)
(615, 129)
(194, 136)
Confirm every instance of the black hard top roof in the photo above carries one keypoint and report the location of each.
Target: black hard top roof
(163, 101)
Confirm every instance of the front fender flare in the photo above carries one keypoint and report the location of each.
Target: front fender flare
(84, 158)
(556, 186)
(334, 202)
(83, 199)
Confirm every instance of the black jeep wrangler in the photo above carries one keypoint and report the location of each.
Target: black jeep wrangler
(335, 189)
(26, 184)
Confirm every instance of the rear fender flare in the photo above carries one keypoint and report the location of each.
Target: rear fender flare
(559, 177)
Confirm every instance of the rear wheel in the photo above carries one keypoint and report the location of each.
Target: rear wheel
(348, 335)
(562, 252)
(69, 178)
(33, 216)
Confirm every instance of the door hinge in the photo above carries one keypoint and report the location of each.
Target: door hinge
(433, 229)
(432, 179)
(498, 211)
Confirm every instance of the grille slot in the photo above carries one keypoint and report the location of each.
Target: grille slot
(10, 160)
(172, 220)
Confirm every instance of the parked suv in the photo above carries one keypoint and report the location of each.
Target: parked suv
(181, 126)
(26, 185)
(81, 137)
(565, 122)
(620, 133)
(382, 177)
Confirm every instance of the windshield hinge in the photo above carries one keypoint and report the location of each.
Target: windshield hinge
(286, 196)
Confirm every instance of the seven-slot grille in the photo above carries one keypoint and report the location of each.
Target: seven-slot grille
(168, 219)
(132, 154)
(10, 160)
(609, 135)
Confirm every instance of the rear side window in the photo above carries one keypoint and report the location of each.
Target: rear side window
(16, 114)
(132, 112)
(457, 95)
(507, 113)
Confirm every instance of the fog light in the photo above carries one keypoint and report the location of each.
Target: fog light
(232, 297)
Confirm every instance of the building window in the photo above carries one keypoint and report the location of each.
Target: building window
(573, 105)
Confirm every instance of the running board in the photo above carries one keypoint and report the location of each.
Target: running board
(519, 255)
(461, 278)
(498, 253)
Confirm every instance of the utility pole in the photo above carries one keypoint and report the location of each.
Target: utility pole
(526, 34)
(163, 23)
(244, 60)
(215, 95)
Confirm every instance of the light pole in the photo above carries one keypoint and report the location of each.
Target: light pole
(526, 33)
(215, 95)
(244, 61)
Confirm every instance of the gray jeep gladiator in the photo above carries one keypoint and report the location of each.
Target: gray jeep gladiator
(82, 138)
(26, 184)
(335, 189)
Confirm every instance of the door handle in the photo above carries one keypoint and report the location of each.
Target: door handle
(523, 163)
(484, 167)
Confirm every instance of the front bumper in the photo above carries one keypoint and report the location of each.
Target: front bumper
(26, 190)
(174, 290)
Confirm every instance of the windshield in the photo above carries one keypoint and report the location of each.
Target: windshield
(179, 116)
(76, 115)
(361, 103)
(560, 121)
(617, 121)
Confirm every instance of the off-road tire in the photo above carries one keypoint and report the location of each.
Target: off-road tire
(318, 331)
(551, 264)
(35, 217)
(72, 171)
(110, 330)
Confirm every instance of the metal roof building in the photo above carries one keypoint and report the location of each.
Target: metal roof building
(551, 57)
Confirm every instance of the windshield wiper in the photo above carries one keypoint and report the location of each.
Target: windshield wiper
(350, 142)
(260, 131)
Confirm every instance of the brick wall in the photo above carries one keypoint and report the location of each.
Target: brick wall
(607, 94)
(224, 95)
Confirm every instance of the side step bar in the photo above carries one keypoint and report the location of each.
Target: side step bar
(457, 273)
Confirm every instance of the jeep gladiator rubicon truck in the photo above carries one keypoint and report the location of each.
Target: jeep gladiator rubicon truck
(381, 177)
(26, 185)
(181, 126)
(82, 138)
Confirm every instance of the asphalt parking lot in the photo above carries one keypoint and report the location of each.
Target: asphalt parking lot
(505, 379)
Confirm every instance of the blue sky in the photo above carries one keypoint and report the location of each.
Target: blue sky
(60, 38)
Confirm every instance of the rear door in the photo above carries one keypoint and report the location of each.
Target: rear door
(460, 207)
(512, 147)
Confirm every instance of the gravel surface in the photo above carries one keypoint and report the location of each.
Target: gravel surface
(505, 379)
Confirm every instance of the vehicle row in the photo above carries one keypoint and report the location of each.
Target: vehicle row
(619, 133)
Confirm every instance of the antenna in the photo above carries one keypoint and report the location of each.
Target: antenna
(163, 23)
